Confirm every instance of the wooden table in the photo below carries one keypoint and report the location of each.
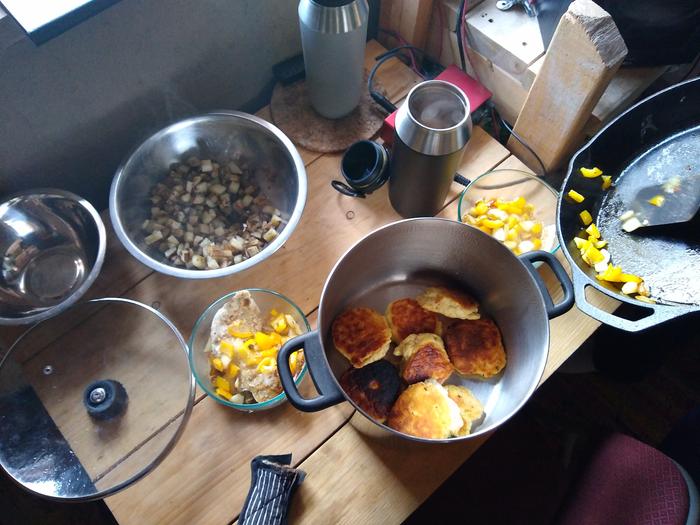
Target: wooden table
(206, 477)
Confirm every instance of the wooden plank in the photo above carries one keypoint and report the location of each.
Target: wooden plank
(408, 18)
(585, 53)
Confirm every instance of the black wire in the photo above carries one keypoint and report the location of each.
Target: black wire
(458, 30)
(376, 96)
(525, 144)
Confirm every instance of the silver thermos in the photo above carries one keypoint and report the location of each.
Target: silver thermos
(333, 38)
(432, 129)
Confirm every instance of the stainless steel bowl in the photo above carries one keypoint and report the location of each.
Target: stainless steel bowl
(52, 244)
(217, 135)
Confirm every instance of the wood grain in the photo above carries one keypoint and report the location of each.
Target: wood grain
(409, 18)
(585, 52)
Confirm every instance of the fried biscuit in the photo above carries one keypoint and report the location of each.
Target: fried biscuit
(406, 317)
(449, 303)
(469, 407)
(374, 387)
(361, 335)
(423, 357)
(476, 348)
(425, 410)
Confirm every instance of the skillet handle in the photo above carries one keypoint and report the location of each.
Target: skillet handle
(329, 393)
(659, 313)
(563, 306)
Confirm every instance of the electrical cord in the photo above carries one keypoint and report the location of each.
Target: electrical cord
(458, 30)
(395, 52)
(525, 144)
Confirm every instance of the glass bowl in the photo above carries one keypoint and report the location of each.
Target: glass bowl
(199, 340)
(509, 184)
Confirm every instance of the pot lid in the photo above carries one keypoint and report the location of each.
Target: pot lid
(93, 399)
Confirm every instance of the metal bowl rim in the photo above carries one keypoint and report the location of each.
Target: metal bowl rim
(271, 248)
(92, 274)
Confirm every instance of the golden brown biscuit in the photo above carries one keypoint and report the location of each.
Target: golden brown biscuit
(449, 303)
(406, 317)
(374, 387)
(469, 407)
(361, 335)
(425, 410)
(423, 356)
(475, 347)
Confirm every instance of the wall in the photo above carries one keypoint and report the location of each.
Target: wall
(71, 109)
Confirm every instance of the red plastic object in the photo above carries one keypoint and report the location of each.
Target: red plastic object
(476, 93)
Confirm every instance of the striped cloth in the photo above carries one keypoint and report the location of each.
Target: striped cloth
(273, 483)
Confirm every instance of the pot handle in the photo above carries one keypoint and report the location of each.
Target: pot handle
(659, 313)
(329, 393)
(563, 306)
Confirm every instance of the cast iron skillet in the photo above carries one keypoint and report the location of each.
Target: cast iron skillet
(657, 136)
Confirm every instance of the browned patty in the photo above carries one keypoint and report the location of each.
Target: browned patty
(475, 347)
(407, 317)
(361, 335)
(424, 356)
(450, 303)
(425, 410)
(374, 387)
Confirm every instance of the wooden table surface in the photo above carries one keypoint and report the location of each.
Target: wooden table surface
(350, 478)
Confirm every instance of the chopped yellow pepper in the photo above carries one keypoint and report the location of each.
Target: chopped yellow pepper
(264, 341)
(586, 217)
(611, 274)
(581, 244)
(233, 370)
(233, 332)
(267, 365)
(223, 393)
(220, 382)
(591, 173)
(226, 347)
(575, 196)
(592, 255)
(630, 278)
(607, 181)
(657, 200)
(593, 230)
(216, 363)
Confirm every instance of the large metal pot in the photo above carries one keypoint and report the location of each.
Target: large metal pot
(398, 261)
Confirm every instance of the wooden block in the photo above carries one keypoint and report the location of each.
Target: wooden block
(585, 53)
(510, 39)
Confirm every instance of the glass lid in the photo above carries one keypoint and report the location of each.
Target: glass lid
(93, 399)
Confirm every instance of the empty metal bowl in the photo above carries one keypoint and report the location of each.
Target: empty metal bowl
(52, 244)
(222, 135)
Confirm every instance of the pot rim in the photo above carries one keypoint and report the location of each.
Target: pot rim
(482, 429)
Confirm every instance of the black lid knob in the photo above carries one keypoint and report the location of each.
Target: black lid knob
(105, 399)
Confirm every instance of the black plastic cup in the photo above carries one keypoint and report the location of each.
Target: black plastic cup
(364, 167)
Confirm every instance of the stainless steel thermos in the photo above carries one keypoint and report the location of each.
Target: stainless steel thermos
(432, 129)
(333, 38)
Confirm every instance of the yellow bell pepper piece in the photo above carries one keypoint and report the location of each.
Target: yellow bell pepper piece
(226, 347)
(575, 196)
(233, 332)
(630, 278)
(657, 200)
(591, 173)
(267, 365)
(264, 341)
(233, 370)
(593, 231)
(223, 393)
(220, 382)
(593, 255)
(601, 244)
(537, 243)
(581, 244)
(537, 228)
(217, 364)
(586, 217)
(272, 352)
(611, 274)
(293, 363)
(481, 208)
(607, 181)
(494, 225)
(279, 325)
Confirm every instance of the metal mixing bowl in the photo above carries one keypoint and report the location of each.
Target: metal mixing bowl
(52, 244)
(219, 135)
